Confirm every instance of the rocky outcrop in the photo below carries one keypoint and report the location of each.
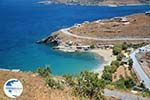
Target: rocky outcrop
(53, 39)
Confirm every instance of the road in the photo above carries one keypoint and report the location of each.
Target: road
(65, 31)
(138, 68)
(123, 96)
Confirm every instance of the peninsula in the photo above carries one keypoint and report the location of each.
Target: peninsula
(130, 29)
(97, 2)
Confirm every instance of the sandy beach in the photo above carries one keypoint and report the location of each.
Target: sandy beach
(107, 56)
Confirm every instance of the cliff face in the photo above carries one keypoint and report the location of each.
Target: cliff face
(102, 2)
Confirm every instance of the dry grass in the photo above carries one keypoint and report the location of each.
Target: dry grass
(139, 26)
(34, 87)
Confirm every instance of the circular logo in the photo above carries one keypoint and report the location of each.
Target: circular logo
(13, 88)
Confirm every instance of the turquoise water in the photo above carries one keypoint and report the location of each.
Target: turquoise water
(23, 22)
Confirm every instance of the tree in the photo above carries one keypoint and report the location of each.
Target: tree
(130, 62)
(89, 85)
(124, 46)
(107, 76)
(107, 73)
(115, 62)
(117, 49)
(44, 72)
(120, 56)
(128, 82)
(92, 46)
(125, 83)
(142, 85)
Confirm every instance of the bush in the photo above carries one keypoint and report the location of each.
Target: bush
(124, 46)
(124, 83)
(129, 83)
(53, 83)
(109, 70)
(115, 62)
(117, 49)
(92, 46)
(113, 68)
(107, 76)
(44, 72)
(120, 84)
(89, 85)
(69, 79)
(120, 56)
(130, 62)
(146, 93)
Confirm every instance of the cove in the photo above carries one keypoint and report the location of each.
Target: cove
(23, 22)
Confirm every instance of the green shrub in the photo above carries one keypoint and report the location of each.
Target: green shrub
(130, 62)
(92, 46)
(89, 85)
(69, 79)
(115, 62)
(120, 56)
(124, 46)
(146, 93)
(44, 72)
(129, 83)
(53, 83)
(107, 76)
(124, 83)
(117, 49)
(113, 68)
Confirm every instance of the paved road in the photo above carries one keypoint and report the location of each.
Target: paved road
(138, 68)
(65, 31)
(123, 96)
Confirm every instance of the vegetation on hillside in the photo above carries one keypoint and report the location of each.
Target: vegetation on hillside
(123, 82)
(86, 84)
(109, 70)
(89, 85)
(44, 72)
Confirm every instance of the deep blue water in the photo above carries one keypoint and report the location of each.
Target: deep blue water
(22, 22)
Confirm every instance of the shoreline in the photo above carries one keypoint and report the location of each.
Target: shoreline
(107, 56)
(12, 70)
(47, 2)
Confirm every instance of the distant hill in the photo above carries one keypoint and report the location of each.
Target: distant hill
(102, 2)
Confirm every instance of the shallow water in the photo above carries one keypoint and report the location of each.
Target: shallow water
(22, 22)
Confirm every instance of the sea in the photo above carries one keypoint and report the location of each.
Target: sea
(23, 22)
